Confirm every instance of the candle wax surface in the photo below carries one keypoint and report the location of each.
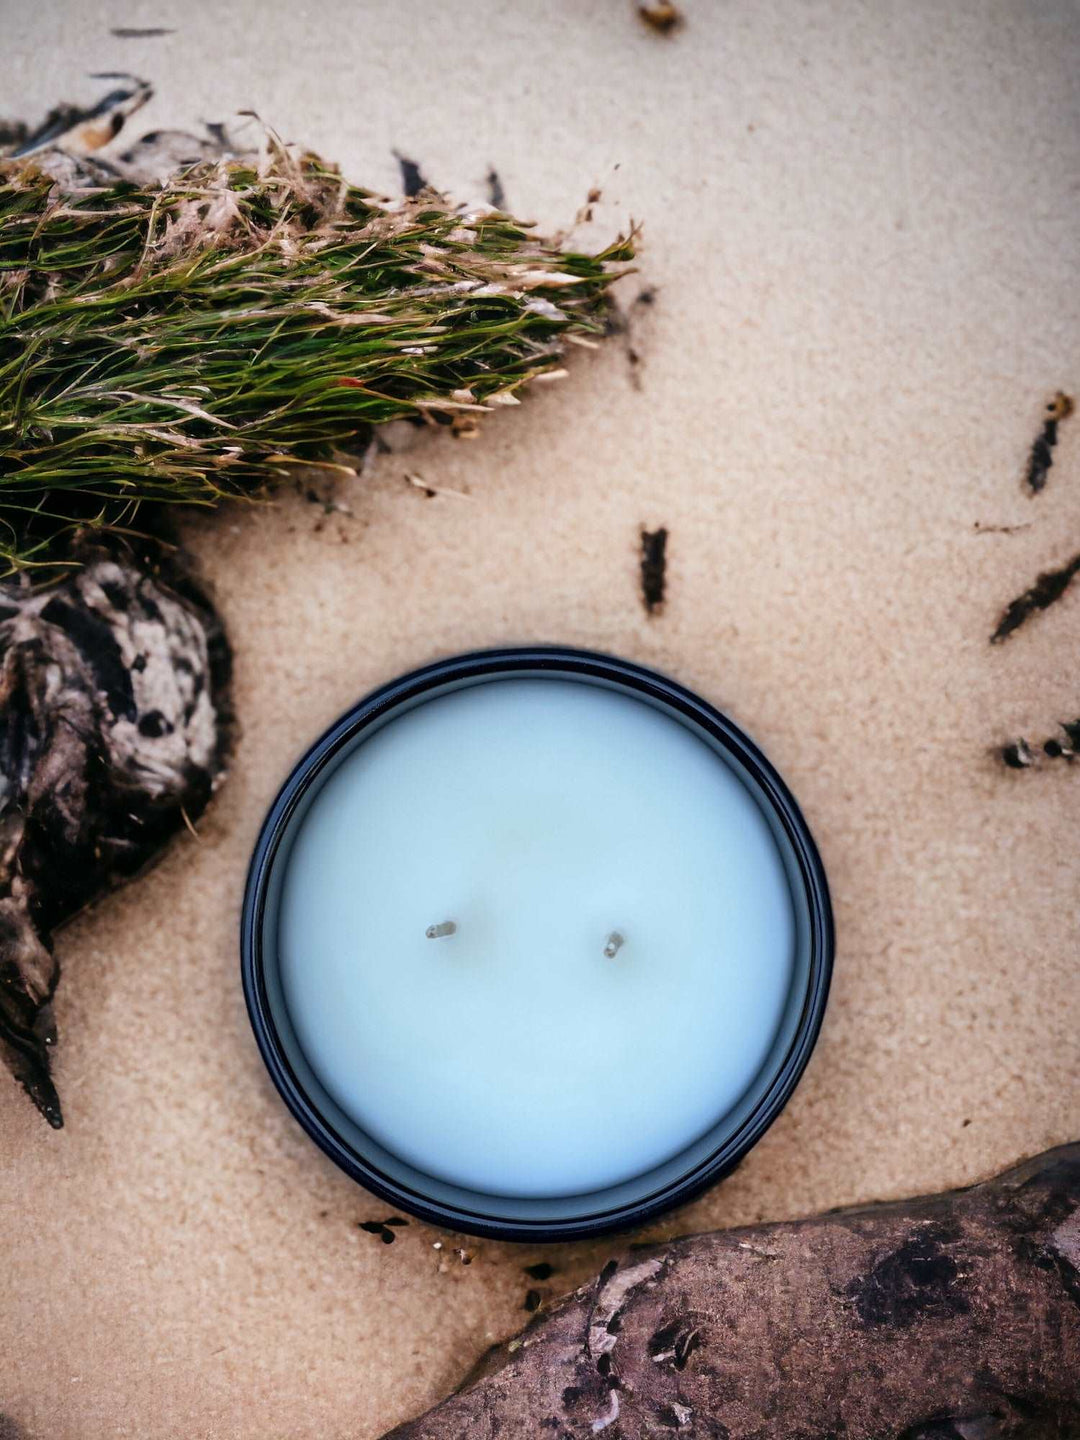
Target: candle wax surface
(514, 1057)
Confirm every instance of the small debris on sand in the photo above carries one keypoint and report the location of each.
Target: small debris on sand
(585, 213)
(1047, 589)
(383, 1228)
(496, 193)
(653, 568)
(981, 529)
(1042, 451)
(1020, 755)
(663, 17)
(412, 181)
(80, 130)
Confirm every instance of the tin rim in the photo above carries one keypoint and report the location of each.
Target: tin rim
(551, 661)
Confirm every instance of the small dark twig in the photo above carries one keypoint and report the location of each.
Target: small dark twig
(653, 568)
(1042, 451)
(496, 193)
(412, 181)
(1049, 587)
(981, 529)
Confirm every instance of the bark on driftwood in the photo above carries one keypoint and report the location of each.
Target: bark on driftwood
(113, 728)
(951, 1317)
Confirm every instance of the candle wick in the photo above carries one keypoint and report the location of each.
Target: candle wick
(615, 942)
(436, 932)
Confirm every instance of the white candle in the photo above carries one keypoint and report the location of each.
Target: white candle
(615, 937)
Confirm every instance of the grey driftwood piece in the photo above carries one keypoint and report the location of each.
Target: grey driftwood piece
(113, 734)
(950, 1317)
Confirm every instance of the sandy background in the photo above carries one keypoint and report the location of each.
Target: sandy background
(862, 226)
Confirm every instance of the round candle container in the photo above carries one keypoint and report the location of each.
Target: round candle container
(535, 943)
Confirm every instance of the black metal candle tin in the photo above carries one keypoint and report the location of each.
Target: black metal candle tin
(631, 1203)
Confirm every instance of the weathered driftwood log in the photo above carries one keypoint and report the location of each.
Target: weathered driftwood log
(952, 1317)
(113, 728)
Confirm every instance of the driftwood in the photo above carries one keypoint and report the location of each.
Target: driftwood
(113, 729)
(951, 1317)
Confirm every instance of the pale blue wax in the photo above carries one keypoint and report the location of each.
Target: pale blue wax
(539, 817)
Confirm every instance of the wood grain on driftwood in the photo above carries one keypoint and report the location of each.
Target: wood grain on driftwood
(950, 1317)
(112, 735)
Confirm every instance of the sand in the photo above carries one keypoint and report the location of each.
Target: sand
(861, 228)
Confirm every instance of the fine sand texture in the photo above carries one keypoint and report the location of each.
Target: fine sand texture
(862, 248)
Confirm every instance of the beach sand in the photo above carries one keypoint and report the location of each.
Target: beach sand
(862, 247)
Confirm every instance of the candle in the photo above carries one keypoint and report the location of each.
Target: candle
(531, 939)
(618, 959)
